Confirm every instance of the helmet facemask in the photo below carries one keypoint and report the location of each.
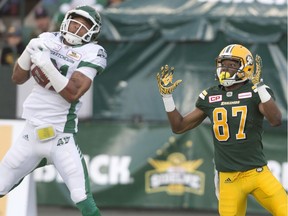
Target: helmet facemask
(223, 73)
(239, 54)
(92, 33)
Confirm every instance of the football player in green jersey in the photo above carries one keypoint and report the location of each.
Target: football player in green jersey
(236, 109)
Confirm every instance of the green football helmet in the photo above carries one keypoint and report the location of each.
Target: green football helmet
(88, 13)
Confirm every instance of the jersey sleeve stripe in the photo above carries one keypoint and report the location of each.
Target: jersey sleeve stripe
(89, 64)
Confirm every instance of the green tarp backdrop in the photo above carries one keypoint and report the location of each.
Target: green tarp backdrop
(141, 36)
(146, 166)
(133, 158)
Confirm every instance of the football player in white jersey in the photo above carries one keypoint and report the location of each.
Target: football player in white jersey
(70, 59)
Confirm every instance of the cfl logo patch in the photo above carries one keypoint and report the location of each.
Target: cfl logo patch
(102, 53)
(215, 98)
(63, 141)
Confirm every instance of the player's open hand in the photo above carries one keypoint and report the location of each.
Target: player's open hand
(165, 80)
(256, 76)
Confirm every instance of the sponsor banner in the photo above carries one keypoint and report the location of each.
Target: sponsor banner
(148, 167)
(176, 176)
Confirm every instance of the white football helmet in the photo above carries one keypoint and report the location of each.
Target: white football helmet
(90, 14)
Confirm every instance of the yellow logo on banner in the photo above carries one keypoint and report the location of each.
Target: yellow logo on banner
(176, 176)
(6, 140)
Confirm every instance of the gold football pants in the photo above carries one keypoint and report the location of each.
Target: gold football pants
(234, 188)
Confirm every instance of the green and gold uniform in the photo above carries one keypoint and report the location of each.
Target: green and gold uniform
(237, 126)
(239, 158)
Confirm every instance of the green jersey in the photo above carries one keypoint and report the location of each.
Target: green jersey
(236, 126)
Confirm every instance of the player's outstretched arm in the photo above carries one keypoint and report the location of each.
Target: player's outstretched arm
(178, 123)
(181, 124)
(267, 107)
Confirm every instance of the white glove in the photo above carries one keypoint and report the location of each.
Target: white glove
(40, 57)
(24, 60)
(36, 44)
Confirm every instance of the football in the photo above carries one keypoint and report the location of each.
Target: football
(40, 77)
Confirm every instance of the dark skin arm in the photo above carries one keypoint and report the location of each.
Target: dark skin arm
(269, 109)
(180, 124)
(19, 76)
(271, 112)
(78, 83)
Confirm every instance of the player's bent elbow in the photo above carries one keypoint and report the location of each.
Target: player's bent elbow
(14, 80)
(71, 98)
(276, 123)
(17, 80)
(69, 94)
(177, 131)
(19, 76)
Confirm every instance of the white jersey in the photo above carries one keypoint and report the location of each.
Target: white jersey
(44, 106)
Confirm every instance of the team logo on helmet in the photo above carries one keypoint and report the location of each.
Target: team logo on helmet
(240, 54)
(249, 60)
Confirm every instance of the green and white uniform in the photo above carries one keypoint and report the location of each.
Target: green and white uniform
(44, 106)
(236, 126)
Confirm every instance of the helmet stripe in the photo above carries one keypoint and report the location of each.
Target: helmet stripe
(228, 50)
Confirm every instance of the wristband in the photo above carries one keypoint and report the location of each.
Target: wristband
(24, 61)
(168, 103)
(57, 80)
(263, 93)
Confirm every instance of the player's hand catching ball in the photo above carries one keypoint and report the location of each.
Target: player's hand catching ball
(165, 80)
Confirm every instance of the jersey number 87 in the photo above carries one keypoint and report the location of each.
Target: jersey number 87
(220, 125)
